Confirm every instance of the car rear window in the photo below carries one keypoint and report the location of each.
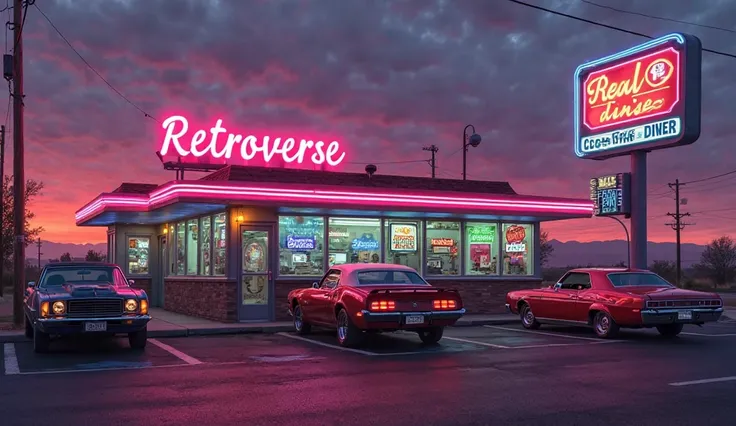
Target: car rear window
(642, 279)
(389, 277)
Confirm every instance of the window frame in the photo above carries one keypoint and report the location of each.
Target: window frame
(460, 240)
(128, 237)
(175, 242)
(324, 242)
(534, 243)
(496, 246)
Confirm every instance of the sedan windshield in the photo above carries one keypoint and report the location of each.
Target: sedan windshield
(59, 276)
(389, 277)
(641, 279)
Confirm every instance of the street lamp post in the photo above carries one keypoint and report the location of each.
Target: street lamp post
(473, 141)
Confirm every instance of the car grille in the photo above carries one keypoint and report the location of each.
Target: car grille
(711, 303)
(95, 308)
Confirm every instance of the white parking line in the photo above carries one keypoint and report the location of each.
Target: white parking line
(97, 370)
(564, 336)
(11, 361)
(704, 381)
(490, 345)
(710, 335)
(357, 351)
(177, 353)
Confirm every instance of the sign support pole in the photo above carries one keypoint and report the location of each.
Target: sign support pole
(638, 246)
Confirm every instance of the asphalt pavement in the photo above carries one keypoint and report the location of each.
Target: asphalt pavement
(491, 375)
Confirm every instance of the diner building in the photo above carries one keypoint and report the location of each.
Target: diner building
(231, 245)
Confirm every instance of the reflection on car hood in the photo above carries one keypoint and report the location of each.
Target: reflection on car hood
(86, 290)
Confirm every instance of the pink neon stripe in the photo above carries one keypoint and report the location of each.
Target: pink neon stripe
(198, 190)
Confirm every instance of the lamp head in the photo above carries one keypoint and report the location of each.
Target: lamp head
(474, 140)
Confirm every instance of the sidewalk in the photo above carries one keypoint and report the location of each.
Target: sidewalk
(170, 324)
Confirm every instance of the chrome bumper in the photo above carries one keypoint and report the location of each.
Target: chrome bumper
(400, 317)
(670, 316)
(121, 324)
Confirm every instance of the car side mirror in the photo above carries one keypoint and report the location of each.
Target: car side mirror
(315, 284)
(131, 282)
(557, 287)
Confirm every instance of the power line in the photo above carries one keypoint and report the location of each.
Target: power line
(610, 27)
(629, 12)
(388, 162)
(710, 178)
(68, 43)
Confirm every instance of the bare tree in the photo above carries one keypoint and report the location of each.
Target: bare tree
(545, 248)
(718, 261)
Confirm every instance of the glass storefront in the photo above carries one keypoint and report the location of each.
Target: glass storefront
(517, 249)
(443, 245)
(192, 247)
(301, 245)
(199, 246)
(481, 253)
(138, 255)
(403, 243)
(354, 240)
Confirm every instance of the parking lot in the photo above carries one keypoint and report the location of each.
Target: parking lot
(83, 355)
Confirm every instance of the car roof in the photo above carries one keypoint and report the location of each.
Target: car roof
(348, 268)
(77, 264)
(608, 270)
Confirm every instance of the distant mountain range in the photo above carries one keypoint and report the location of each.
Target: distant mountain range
(51, 250)
(565, 254)
(606, 253)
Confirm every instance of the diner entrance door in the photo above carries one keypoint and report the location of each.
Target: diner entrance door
(256, 286)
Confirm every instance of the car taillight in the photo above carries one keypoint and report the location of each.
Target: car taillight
(444, 304)
(383, 305)
(653, 304)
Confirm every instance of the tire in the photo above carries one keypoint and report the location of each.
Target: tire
(604, 326)
(431, 336)
(300, 326)
(528, 320)
(348, 335)
(41, 342)
(29, 329)
(138, 339)
(669, 330)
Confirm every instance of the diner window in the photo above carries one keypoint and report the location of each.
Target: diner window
(180, 248)
(138, 255)
(354, 240)
(205, 236)
(402, 243)
(481, 257)
(443, 245)
(301, 245)
(192, 245)
(220, 239)
(517, 249)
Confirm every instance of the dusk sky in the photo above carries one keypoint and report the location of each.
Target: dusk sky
(386, 77)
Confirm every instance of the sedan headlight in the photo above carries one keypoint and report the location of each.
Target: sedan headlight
(131, 305)
(58, 307)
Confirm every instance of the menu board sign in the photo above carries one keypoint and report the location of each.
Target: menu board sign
(403, 237)
(611, 195)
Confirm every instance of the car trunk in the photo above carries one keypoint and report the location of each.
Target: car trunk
(669, 293)
(411, 298)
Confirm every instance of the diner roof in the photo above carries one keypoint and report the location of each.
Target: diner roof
(324, 192)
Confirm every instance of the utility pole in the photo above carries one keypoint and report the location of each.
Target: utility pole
(678, 226)
(2, 209)
(19, 183)
(432, 163)
(39, 244)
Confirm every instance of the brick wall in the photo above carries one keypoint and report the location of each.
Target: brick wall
(205, 298)
(479, 296)
(143, 284)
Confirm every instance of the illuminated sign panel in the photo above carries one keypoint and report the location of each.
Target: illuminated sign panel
(611, 195)
(219, 144)
(645, 98)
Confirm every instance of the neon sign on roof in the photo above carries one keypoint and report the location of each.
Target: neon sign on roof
(218, 143)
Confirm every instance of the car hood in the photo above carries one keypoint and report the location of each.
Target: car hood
(668, 293)
(89, 290)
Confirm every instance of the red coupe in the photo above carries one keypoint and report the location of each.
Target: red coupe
(609, 299)
(360, 298)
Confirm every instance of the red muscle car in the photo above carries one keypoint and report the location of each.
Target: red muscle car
(610, 299)
(360, 298)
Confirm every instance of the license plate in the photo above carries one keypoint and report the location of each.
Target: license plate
(415, 319)
(95, 326)
(685, 315)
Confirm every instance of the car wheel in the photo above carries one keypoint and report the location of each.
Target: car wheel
(138, 339)
(41, 341)
(604, 326)
(669, 330)
(300, 326)
(431, 336)
(29, 329)
(528, 320)
(348, 335)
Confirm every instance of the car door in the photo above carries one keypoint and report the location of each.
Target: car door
(321, 300)
(562, 300)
